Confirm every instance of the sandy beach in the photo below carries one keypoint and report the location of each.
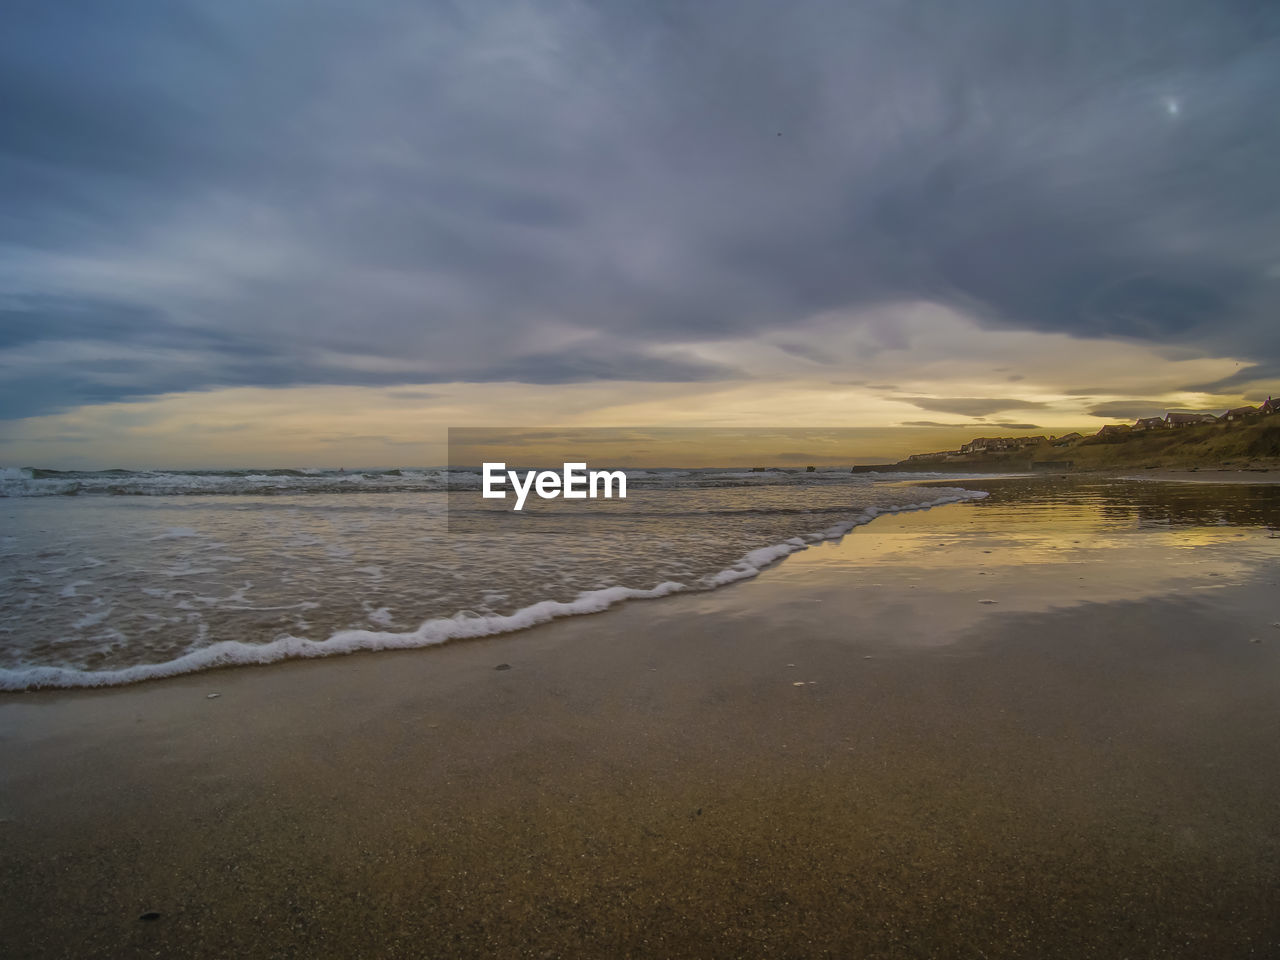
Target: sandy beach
(617, 481)
(1040, 725)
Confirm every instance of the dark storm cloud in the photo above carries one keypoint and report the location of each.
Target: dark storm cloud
(811, 352)
(1255, 374)
(1128, 409)
(397, 193)
(979, 426)
(971, 406)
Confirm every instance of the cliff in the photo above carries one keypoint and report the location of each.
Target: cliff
(1240, 445)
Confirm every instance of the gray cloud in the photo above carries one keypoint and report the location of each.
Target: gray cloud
(401, 193)
(805, 351)
(1251, 375)
(971, 406)
(979, 426)
(1128, 409)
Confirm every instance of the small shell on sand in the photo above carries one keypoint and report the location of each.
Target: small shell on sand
(988, 601)
(213, 696)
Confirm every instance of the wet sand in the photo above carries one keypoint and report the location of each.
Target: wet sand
(1257, 476)
(850, 756)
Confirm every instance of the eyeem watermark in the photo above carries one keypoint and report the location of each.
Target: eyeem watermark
(574, 482)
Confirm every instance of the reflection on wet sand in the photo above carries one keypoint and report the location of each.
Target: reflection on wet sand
(1121, 500)
(1033, 546)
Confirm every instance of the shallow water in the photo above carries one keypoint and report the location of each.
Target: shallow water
(109, 587)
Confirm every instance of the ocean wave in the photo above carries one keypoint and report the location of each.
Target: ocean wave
(39, 482)
(442, 630)
(43, 482)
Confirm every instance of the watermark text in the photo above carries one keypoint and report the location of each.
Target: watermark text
(574, 482)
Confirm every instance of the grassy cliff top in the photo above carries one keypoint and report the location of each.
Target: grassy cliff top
(1239, 445)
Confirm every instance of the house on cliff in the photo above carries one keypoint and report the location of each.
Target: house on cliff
(992, 444)
(1189, 419)
(983, 444)
(940, 455)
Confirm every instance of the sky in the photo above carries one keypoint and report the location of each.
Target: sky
(304, 234)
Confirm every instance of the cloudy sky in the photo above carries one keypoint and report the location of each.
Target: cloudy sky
(302, 233)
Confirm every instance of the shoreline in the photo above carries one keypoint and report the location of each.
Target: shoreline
(851, 755)
(1192, 475)
(1260, 476)
(233, 654)
(440, 631)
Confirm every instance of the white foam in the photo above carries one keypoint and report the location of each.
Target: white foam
(187, 570)
(177, 533)
(754, 562)
(91, 619)
(437, 631)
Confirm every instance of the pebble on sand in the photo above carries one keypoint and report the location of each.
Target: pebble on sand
(503, 666)
(150, 915)
(988, 601)
(212, 696)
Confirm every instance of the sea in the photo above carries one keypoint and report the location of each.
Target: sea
(118, 576)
